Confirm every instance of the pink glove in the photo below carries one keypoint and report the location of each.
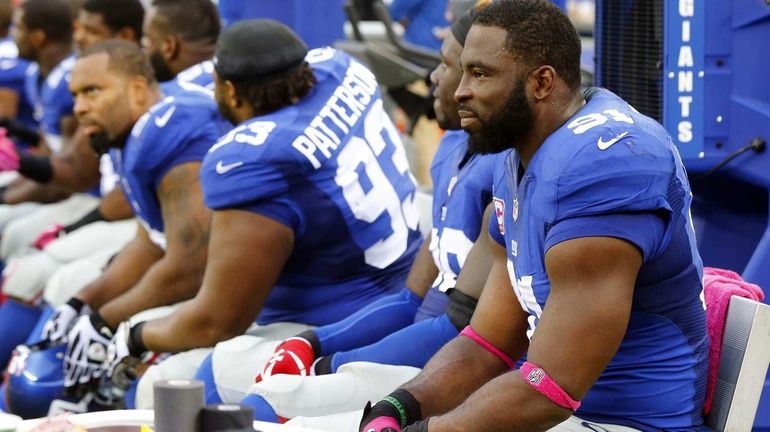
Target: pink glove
(382, 424)
(9, 158)
(49, 235)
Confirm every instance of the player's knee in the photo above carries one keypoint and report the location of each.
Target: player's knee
(144, 389)
(460, 308)
(25, 277)
(205, 374)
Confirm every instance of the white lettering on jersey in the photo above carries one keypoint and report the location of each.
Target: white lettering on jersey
(318, 55)
(341, 112)
(379, 196)
(254, 133)
(584, 123)
(526, 295)
(451, 242)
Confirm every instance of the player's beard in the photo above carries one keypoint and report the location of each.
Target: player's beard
(504, 128)
(162, 71)
(101, 142)
(227, 112)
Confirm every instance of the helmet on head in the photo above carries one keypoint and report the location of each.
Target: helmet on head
(35, 378)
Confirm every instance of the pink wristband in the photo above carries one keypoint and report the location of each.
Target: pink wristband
(469, 332)
(540, 381)
(381, 423)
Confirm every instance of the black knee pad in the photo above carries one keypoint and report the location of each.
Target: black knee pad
(460, 308)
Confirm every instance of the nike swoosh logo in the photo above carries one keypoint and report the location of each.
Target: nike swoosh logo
(222, 168)
(604, 145)
(161, 121)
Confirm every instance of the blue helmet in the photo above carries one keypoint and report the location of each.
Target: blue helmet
(35, 378)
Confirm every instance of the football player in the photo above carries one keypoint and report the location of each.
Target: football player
(121, 107)
(595, 272)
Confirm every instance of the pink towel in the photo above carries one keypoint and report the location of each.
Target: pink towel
(718, 286)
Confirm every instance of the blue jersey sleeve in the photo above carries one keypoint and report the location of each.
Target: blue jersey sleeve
(239, 172)
(175, 134)
(12, 73)
(644, 230)
(57, 99)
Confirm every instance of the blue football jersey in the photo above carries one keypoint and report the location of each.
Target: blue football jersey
(462, 188)
(333, 169)
(51, 99)
(594, 176)
(198, 78)
(176, 130)
(13, 71)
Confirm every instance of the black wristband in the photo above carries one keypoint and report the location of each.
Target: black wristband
(310, 336)
(94, 216)
(380, 409)
(20, 131)
(101, 325)
(76, 303)
(2, 194)
(37, 168)
(323, 366)
(460, 308)
(136, 345)
(400, 405)
(420, 426)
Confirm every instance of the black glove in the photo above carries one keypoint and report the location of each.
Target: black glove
(20, 131)
(420, 426)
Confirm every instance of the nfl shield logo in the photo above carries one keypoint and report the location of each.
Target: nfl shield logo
(499, 212)
(536, 376)
(515, 209)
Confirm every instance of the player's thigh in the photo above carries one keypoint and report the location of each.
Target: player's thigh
(350, 388)
(11, 212)
(70, 278)
(576, 424)
(25, 276)
(237, 361)
(20, 233)
(178, 366)
(91, 238)
(343, 422)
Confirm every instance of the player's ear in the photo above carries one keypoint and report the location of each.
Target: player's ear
(231, 94)
(37, 37)
(171, 47)
(138, 94)
(126, 33)
(543, 80)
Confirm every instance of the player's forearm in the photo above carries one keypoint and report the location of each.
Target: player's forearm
(456, 371)
(25, 190)
(74, 176)
(115, 206)
(167, 282)
(423, 272)
(193, 325)
(505, 404)
(124, 271)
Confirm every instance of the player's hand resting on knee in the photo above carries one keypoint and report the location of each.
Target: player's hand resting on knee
(57, 327)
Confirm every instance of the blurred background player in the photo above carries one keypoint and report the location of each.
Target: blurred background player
(76, 169)
(14, 105)
(163, 264)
